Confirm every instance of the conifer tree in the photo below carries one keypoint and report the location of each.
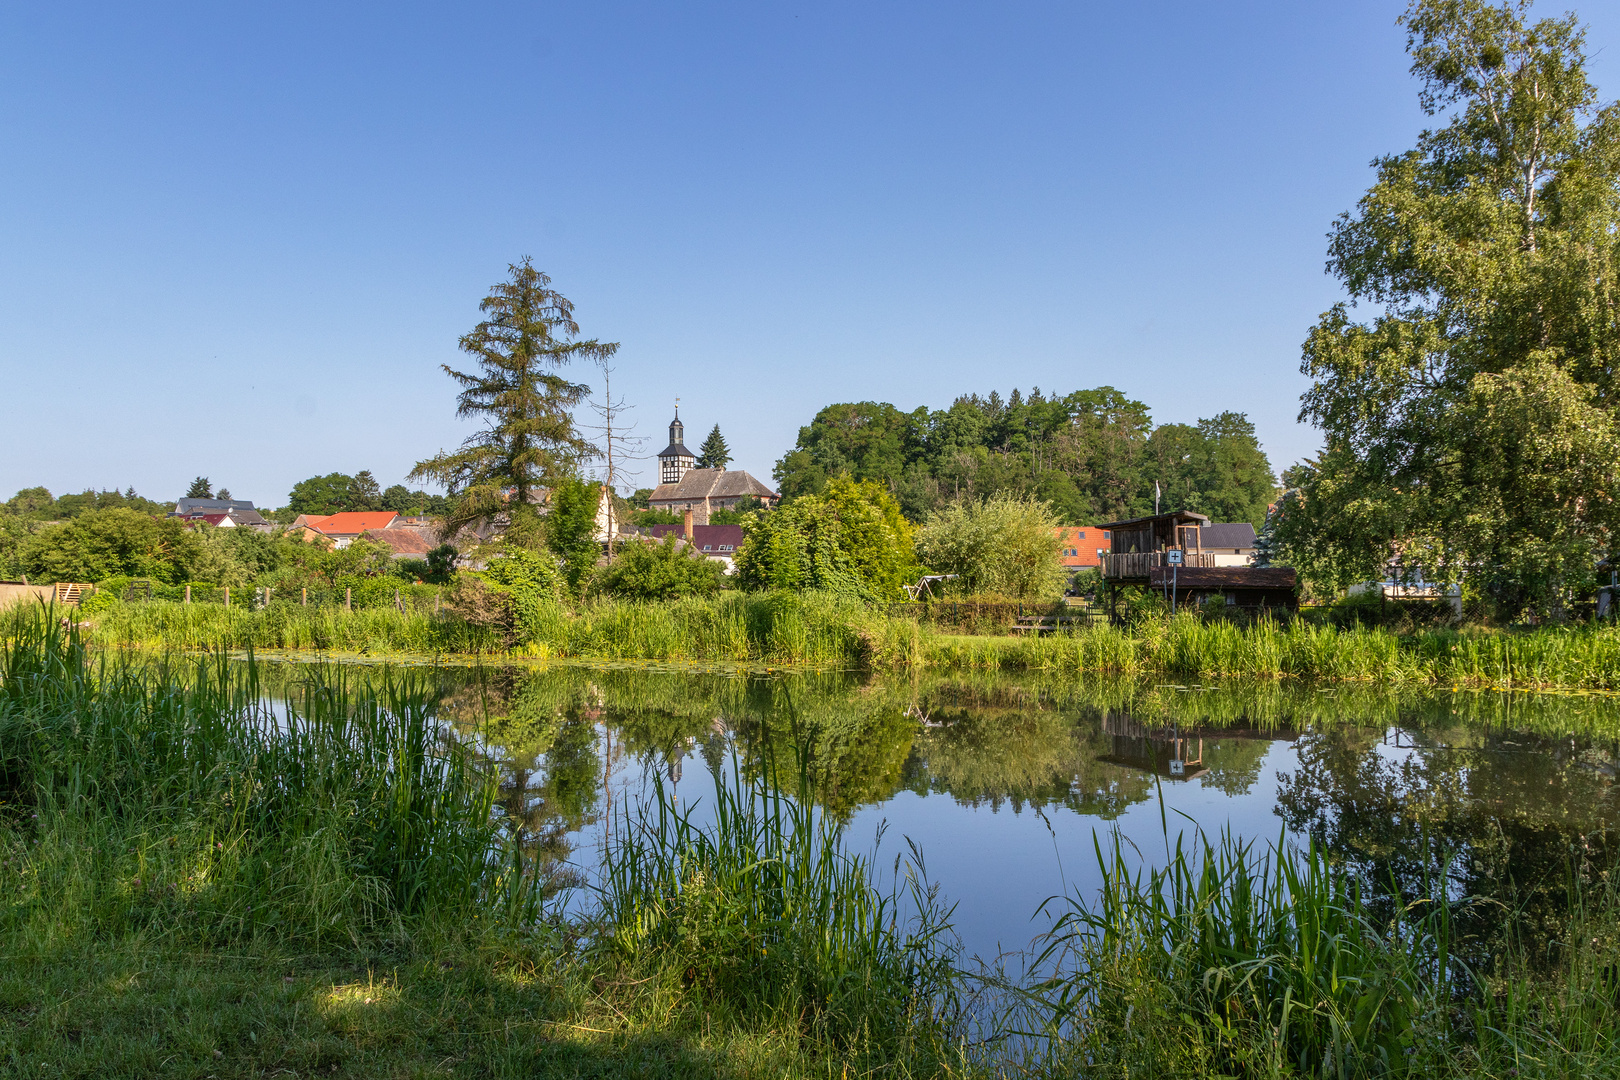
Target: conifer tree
(529, 439)
(200, 489)
(714, 454)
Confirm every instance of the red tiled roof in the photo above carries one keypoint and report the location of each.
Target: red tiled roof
(352, 522)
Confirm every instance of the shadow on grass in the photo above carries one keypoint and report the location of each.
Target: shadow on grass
(126, 1009)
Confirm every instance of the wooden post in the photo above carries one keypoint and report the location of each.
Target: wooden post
(303, 596)
(227, 596)
(348, 599)
(399, 604)
(435, 603)
(188, 594)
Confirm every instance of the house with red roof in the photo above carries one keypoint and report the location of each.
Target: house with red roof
(1082, 546)
(342, 529)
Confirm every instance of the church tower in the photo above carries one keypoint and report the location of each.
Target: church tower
(676, 458)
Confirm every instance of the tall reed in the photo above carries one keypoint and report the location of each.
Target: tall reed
(173, 800)
(1231, 961)
(764, 910)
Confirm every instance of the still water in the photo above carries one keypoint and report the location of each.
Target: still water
(1006, 785)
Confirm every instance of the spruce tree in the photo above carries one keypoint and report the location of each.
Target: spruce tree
(714, 454)
(364, 492)
(529, 439)
(200, 489)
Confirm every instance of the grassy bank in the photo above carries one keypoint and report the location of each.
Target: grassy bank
(811, 629)
(776, 628)
(191, 885)
(1187, 647)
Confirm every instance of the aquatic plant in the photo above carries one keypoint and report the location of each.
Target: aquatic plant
(765, 909)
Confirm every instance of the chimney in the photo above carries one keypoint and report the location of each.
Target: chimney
(686, 526)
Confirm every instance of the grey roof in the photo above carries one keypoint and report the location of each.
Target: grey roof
(210, 506)
(711, 484)
(676, 449)
(1227, 535)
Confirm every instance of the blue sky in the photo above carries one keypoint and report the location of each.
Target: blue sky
(239, 242)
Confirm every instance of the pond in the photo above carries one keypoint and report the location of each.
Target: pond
(1006, 785)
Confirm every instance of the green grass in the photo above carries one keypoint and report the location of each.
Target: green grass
(779, 628)
(1187, 647)
(826, 631)
(191, 885)
(766, 910)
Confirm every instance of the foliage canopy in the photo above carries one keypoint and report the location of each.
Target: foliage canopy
(1093, 454)
(663, 570)
(1005, 544)
(1470, 422)
(850, 539)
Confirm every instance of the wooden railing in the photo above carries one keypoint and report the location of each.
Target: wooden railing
(1136, 564)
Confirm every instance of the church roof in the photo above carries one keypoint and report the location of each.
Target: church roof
(712, 484)
(676, 449)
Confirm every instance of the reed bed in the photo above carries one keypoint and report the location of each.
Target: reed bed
(1188, 647)
(773, 628)
(1234, 960)
(761, 905)
(155, 799)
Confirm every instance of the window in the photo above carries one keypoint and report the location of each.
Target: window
(725, 547)
(706, 547)
(1079, 534)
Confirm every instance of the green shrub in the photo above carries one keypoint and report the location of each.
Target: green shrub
(1005, 544)
(666, 570)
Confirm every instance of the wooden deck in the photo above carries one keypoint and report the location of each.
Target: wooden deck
(1139, 565)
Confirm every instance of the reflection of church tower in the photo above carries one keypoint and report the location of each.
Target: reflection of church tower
(676, 458)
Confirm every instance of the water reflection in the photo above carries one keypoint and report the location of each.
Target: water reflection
(1509, 796)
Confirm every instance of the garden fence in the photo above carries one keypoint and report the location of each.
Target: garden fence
(367, 595)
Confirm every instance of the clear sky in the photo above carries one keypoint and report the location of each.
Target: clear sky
(239, 240)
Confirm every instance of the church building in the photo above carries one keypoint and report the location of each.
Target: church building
(682, 486)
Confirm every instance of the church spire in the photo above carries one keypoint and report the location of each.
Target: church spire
(676, 459)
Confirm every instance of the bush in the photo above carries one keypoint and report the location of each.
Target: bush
(1004, 544)
(661, 571)
(851, 539)
(101, 543)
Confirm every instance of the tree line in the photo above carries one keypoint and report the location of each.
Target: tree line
(1094, 455)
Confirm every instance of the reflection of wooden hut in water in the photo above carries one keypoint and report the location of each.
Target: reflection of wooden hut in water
(1172, 751)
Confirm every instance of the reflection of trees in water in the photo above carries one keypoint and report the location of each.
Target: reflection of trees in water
(540, 737)
(1516, 807)
(1233, 764)
(1511, 817)
(990, 756)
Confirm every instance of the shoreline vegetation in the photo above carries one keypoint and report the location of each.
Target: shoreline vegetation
(819, 630)
(194, 885)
